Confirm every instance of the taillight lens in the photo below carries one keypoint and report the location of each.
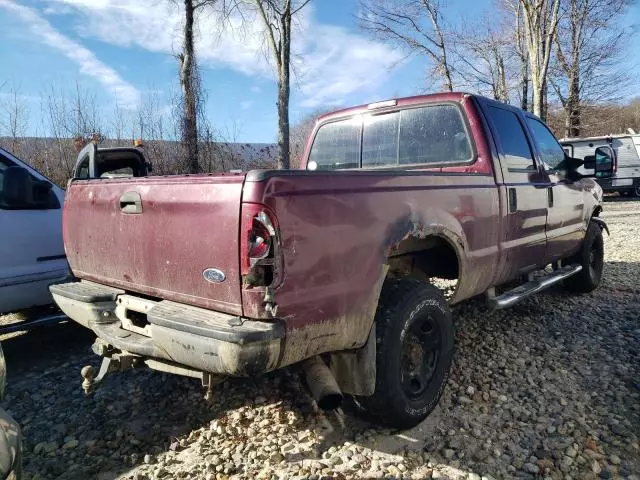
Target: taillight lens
(260, 237)
(258, 244)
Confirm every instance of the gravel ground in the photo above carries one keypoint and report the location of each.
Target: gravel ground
(548, 389)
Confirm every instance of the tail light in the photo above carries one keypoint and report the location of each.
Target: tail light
(259, 246)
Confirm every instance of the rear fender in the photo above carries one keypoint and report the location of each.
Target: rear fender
(440, 225)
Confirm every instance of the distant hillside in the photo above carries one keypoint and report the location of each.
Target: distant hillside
(56, 158)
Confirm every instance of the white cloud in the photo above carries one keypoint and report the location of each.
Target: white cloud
(330, 61)
(246, 104)
(89, 64)
(342, 63)
(256, 89)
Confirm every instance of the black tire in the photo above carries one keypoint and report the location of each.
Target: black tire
(414, 351)
(591, 257)
(636, 189)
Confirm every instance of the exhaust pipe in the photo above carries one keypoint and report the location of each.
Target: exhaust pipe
(322, 383)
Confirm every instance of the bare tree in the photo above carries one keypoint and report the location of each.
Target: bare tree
(189, 85)
(66, 118)
(483, 58)
(414, 25)
(520, 44)
(276, 18)
(85, 117)
(602, 118)
(588, 47)
(15, 118)
(300, 132)
(190, 78)
(540, 19)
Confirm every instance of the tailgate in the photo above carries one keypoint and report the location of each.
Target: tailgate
(182, 227)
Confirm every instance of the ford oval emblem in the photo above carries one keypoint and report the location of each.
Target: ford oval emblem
(214, 275)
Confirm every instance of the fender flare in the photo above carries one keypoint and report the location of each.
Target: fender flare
(601, 223)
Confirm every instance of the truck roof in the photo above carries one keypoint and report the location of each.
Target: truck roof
(397, 102)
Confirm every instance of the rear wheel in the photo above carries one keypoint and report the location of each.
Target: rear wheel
(414, 351)
(591, 257)
(636, 189)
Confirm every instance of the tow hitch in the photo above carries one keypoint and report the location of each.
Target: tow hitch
(114, 360)
(117, 362)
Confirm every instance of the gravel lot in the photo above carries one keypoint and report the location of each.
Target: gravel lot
(548, 389)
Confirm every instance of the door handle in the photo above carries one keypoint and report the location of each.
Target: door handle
(131, 203)
(513, 200)
(550, 196)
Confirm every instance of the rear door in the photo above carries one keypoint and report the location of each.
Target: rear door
(31, 252)
(523, 193)
(158, 235)
(566, 223)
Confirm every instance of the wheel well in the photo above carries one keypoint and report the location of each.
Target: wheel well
(424, 258)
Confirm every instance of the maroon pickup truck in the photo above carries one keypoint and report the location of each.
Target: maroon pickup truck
(335, 266)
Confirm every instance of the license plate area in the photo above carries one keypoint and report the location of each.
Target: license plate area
(132, 313)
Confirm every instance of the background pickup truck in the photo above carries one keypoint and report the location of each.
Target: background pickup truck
(31, 255)
(332, 265)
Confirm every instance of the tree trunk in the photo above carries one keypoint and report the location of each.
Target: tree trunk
(524, 103)
(502, 79)
(283, 89)
(541, 21)
(572, 108)
(189, 121)
(545, 100)
(447, 71)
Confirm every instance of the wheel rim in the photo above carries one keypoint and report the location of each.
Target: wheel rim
(420, 353)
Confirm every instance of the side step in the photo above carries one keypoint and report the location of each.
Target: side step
(521, 292)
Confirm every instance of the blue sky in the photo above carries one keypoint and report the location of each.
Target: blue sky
(121, 49)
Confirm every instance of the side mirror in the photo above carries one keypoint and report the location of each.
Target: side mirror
(604, 162)
(17, 187)
(590, 162)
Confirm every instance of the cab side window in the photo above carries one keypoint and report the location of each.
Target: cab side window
(551, 152)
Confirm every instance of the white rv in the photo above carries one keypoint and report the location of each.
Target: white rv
(626, 166)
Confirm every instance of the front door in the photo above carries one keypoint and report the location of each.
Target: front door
(523, 194)
(566, 218)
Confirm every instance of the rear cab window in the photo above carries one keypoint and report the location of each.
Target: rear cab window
(426, 135)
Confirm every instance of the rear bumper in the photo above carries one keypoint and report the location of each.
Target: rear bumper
(201, 339)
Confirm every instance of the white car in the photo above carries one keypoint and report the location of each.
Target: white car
(32, 255)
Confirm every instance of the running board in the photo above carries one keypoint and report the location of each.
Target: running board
(532, 287)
